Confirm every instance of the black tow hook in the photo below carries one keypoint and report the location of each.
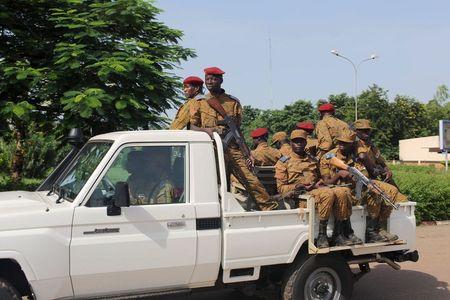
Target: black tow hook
(409, 256)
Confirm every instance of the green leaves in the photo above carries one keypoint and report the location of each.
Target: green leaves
(20, 110)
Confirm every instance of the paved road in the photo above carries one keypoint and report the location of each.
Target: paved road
(427, 279)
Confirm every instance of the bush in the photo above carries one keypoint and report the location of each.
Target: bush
(428, 187)
(26, 184)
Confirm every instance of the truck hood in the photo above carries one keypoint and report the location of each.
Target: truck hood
(21, 201)
(22, 210)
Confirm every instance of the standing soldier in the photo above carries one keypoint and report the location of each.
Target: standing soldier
(193, 91)
(311, 145)
(299, 172)
(208, 119)
(328, 129)
(281, 142)
(263, 154)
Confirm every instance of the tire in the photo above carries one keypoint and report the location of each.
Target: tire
(319, 277)
(8, 291)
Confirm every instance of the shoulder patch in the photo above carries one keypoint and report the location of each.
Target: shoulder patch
(330, 155)
(284, 158)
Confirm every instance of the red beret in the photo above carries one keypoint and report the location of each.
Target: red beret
(193, 80)
(259, 132)
(305, 125)
(214, 71)
(326, 107)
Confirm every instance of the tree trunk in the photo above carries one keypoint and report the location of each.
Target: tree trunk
(19, 153)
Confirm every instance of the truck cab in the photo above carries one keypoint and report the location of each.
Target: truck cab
(123, 221)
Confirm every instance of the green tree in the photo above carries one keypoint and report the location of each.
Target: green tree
(99, 65)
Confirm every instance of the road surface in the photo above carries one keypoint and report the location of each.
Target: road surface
(427, 279)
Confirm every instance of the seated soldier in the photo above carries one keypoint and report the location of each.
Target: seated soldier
(311, 145)
(377, 168)
(376, 208)
(342, 184)
(148, 182)
(299, 173)
(263, 154)
(281, 142)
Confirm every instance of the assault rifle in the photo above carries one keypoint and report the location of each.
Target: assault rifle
(234, 133)
(362, 180)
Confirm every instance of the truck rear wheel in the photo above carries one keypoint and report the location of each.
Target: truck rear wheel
(319, 277)
(8, 291)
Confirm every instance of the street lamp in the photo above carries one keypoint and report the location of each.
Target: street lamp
(355, 68)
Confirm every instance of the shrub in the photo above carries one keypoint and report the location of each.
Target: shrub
(428, 187)
(26, 184)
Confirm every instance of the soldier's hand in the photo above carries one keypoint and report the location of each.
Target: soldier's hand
(310, 187)
(209, 131)
(344, 174)
(388, 174)
(249, 163)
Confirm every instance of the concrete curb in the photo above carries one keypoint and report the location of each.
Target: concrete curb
(434, 223)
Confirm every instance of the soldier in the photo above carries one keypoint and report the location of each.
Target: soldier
(342, 182)
(377, 210)
(207, 119)
(370, 154)
(311, 146)
(376, 166)
(263, 154)
(328, 129)
(300, 171)
(281, 142)
(148, 182)
(193, 91)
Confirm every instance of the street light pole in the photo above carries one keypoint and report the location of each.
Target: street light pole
(355, 69)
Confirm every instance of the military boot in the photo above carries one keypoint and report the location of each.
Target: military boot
(372, 235)
(340, 239)
(388, 236)
(322, 238)
(350, 234)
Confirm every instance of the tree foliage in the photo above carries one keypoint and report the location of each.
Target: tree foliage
(100, 65)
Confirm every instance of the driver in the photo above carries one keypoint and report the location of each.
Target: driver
(149, 181)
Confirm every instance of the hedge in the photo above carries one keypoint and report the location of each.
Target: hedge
(427, 186)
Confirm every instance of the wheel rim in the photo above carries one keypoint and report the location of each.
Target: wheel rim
(323, 284)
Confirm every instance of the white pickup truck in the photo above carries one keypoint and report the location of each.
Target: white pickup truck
(83, 239)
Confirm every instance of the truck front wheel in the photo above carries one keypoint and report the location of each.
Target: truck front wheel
(8, 291)
(319, 277)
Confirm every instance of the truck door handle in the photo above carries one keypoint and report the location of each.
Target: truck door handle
(176, 224)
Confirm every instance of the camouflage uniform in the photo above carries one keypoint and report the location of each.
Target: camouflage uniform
(343, 194)
(327, 131)
(144, 190)
(293, 170)
(185, 112)
(207, 117)
(265, 155)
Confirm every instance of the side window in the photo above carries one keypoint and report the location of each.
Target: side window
(155, 175)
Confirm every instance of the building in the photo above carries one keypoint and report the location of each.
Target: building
(420, 150)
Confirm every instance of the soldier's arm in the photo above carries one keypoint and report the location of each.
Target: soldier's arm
(324, 139)
(181, 119)
(325, 171)
(238, 113)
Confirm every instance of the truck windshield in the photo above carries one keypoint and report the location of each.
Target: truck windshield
(81, 168)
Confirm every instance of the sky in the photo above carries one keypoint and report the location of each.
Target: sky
(411, 38)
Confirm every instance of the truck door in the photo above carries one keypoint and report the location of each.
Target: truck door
(151, 244)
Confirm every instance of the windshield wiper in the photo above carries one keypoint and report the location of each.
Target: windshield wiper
(62, 193)
(53, 190)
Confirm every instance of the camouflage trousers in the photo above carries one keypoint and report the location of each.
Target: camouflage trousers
(376, 208)
(324, 200)
(236, 161)
(343, 202)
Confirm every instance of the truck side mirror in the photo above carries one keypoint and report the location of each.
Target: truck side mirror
(120, 199)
